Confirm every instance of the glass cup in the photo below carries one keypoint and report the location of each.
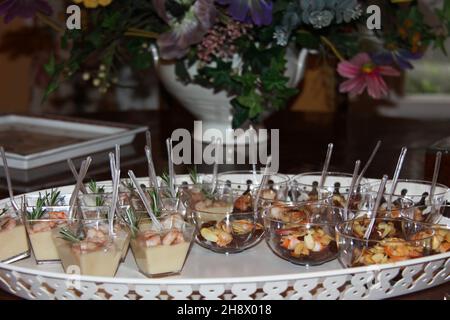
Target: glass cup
(89, 246)
(337, 183)
(392, 240)
(426, 209)
(302, 234)
(13, 237)
(291, 195)
(441, 239)
(101, 213)
(161, 252)
(248, 180)
(39, 223)
(224, 229)
(403, 208)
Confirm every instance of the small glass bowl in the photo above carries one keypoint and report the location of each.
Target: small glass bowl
(441, 239)
(392, 240)
(426, 209)
(337, 183)
(88, 246)
(40, 232)
(223, 230)
(13, 237)
(302, 234)
(292, 195)
(160, 253)
(403, 208)
(249, 180)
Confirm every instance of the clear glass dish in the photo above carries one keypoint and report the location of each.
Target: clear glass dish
(13, 237)
(392, 240)
(302, 234)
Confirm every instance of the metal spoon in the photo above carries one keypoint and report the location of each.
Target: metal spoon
(171, 168)
(400, 161)
(326, 165)
(369, 162)
(152, 175)
(437, 166)
(148, 139)
(264, 180)
(75, 174)
(115, 194)
(218, 143)
(144, 200)
(8, 181)
(373, 213)
(117, 150)
(83, 171)
(352, 187)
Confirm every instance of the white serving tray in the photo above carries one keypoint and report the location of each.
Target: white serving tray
(99, 136)
(253, 274)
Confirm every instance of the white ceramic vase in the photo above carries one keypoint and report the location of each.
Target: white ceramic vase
(214, 109)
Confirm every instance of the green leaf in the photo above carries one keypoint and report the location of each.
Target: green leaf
(240, 114)
(53, 85)
(253, 102)
(95, 38)
(182, 72)
(111, 21)
(50, 67)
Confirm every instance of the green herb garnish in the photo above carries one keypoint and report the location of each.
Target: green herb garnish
(99, 200)
(3, 211)
(69, 235)
(53, 198)
(154, 201)
(92, 185)
(193, 175)
(38, 211)
(131, 221)
(165, 178)
(128, 184)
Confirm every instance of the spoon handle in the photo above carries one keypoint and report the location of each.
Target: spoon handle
(326, 165)
(373, 213)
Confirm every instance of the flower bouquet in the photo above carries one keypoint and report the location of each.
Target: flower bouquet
(239, 46)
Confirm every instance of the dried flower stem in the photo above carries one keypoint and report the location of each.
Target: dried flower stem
(332, 47)
(49, 22)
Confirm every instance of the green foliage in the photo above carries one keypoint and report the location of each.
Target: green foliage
(68, 235)
(38, 211)
(256, 83)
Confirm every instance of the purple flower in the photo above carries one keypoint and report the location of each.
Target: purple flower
(175, 43)
(11, 9)
(258, 11)
(400, 57)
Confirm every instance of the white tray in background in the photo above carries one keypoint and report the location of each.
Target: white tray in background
(254, 274)
(100, 135)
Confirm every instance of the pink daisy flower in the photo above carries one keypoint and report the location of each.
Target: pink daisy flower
(363, 74)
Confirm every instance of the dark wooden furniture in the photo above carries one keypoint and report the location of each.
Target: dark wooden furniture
(303, 140)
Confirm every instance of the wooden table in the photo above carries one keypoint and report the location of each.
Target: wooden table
(303, 140)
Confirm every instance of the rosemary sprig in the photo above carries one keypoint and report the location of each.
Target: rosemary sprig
(53, 198)
(3, 211)
(154, 202)
(165, 178)
(69, 235)
(94, 188)
(128, 184)
(193, 175)
(131, 221)
(38, 211)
